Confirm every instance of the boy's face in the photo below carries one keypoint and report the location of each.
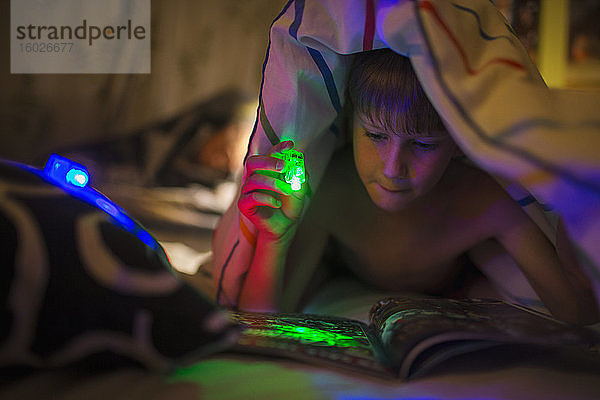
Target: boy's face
(397, 168)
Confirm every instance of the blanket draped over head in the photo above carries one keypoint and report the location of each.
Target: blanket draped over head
(542, 143)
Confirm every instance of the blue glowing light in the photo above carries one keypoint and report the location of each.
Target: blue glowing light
(77, 177)
(65, 172)
(107, 206)
(145, 237)
(74, 178)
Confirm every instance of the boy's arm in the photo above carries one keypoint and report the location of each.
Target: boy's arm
(232, 253)
(504, 274)
(281, 270)
(555, 277)
(262, 286)
(269, 211)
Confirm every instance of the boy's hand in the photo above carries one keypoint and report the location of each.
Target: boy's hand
(266, 199)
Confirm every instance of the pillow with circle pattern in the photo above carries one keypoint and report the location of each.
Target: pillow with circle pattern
(79, 289)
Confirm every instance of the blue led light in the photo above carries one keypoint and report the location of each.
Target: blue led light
(74, 179)
(65, 172)
(77, 177)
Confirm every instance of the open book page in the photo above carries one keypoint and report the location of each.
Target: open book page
(408, 327)
(407, 335)
(338, 342)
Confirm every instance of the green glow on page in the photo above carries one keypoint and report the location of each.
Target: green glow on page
(306, 334)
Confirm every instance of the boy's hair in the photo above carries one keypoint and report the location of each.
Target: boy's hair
(384, 90)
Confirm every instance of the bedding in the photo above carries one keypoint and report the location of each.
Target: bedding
(84, 286)
(236, 377)
(229, 376)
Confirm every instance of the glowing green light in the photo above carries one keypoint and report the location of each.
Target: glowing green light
(293, 172)
(305, 334)
(296, 185)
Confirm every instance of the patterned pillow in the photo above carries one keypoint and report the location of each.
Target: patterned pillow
(81, 287)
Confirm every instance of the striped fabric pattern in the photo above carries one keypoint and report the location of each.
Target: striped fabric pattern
(79, 290)
(477, 75)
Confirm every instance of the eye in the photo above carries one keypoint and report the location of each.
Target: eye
(376, 137)
(424, 146)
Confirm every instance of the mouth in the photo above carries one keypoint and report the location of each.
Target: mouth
(400, 189)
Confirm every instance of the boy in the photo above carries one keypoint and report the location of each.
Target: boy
(401, 208)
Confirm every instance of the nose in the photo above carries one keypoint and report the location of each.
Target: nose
(395, 161)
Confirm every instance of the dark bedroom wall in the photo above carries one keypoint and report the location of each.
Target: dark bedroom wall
(199, 47)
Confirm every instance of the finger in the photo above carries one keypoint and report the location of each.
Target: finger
(248, 203)
(279, 147)
(258, 181)
(263, 163)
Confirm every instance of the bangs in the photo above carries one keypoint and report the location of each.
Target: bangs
(385, 91)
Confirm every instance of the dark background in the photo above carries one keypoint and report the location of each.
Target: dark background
(199, 48)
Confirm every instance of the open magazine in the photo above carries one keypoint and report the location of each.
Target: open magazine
(407, 335)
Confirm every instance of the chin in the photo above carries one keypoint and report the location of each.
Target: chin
(392, 203)
(392, 206)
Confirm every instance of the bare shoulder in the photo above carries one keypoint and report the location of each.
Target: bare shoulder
(477, 197)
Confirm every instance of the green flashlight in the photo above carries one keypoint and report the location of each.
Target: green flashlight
(293, 171)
